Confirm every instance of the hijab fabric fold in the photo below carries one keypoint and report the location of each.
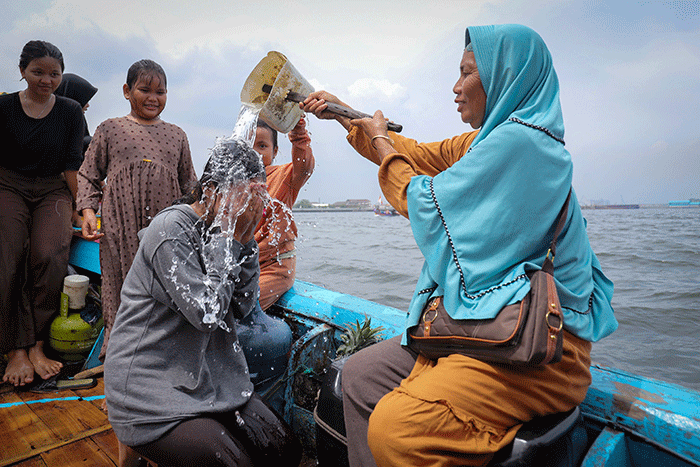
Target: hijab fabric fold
(77, 88)
(488, 219)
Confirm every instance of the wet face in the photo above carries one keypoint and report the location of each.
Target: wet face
(264, 146)
(147, 98)
(471, 98)
(43, 75)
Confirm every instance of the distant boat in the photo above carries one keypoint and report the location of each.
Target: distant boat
(687, 203)
(381, 209)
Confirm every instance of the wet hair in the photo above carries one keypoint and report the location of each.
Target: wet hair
(263, 124)
(39, 49)
(144, 68)
(230, 161)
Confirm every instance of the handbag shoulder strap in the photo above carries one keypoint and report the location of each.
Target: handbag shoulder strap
(548, 265)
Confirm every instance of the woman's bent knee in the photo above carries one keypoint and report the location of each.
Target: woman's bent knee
(390, 425)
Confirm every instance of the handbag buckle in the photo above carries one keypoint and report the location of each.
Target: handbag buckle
(427, 321)
(549, 255)
(554, 312)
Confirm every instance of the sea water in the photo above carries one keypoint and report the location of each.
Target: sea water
(651, 255)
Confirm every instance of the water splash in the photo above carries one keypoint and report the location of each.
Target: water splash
(279, 220)
(246, 124)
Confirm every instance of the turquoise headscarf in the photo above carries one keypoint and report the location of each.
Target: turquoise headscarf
(488, 219)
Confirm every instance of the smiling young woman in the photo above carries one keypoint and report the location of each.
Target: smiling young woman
(42, 152)
(145, 164)
(147, 97)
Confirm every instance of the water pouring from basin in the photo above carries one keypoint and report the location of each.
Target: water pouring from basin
(276, 71)
(276, 87)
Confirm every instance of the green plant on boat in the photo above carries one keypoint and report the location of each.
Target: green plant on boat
(358, 336)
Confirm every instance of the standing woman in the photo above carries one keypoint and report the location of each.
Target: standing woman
(41, 134)
(135, 166)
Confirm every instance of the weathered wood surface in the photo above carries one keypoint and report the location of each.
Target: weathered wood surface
(58, 429)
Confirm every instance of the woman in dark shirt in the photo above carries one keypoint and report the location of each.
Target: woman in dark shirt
(41, 136)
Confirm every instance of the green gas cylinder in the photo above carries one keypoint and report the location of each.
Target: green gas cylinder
(70, 335)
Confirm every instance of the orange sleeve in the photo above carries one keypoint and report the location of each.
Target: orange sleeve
(302, 162)
(410, 159)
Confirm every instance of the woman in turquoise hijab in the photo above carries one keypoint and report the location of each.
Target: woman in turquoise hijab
(482, 207)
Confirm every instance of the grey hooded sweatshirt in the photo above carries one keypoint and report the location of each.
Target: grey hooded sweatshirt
(173, 352)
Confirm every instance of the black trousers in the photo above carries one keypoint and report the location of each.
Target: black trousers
(252, 435)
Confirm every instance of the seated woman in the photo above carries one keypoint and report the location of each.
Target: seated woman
(482, 208)
(277, 231)
(41, 136)
(176, 379)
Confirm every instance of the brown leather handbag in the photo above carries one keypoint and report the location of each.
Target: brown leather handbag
(525, 333)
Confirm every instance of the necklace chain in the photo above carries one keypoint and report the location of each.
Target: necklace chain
(27, 100)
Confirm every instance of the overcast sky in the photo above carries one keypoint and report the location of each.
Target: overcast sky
(629, 74)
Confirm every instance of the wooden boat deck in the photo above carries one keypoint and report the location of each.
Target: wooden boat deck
(64, 428)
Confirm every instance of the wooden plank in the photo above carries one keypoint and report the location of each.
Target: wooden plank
(79, 453)
(32, 462)
(107, 441)
(664, 414)
(20, 428)
(32, 423)
(63, 445)
(66, 418)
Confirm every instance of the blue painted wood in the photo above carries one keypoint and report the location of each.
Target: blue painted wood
(93, 359)
(608, 450)
(662, 413)
(85, 254)
(340, 309)
(638, 421)
(666, 417)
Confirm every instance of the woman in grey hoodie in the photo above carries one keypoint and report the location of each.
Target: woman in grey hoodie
(176, 379)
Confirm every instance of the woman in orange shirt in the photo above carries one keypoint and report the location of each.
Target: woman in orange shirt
(277, 231)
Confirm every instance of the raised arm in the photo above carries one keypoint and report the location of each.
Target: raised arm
(399, 158)
(302, 157)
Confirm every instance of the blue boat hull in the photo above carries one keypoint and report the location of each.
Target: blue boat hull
(630, 420)
(634, 421)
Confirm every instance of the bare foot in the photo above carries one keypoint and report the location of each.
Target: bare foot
(20, 370)
(44, 366)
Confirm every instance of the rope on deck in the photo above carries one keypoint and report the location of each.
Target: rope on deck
(43, 401)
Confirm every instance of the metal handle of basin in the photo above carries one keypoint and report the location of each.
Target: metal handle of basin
(335, 108)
